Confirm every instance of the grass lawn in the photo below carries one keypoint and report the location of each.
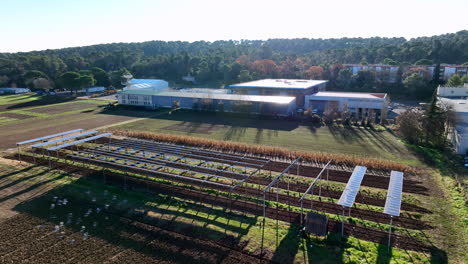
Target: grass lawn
(18, 98)
(289, 134)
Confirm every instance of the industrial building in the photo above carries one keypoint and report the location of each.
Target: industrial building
(455, 98)
(280, 97)
(362, 104)
(222, 102)
(14, 90)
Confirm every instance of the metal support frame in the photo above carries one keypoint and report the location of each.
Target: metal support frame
(151, 171)
(275, 181)
(311, 186)
(390, 233)
(251, 174)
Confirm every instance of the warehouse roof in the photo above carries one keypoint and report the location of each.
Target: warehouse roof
(217, 96)
(320, 95)
(280, 84)
(150, 81)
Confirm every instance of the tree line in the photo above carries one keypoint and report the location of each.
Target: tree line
(221, 63)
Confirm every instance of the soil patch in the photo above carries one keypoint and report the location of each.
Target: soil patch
(46, 126)
(56, 109)
(200, 128)
(15, 116)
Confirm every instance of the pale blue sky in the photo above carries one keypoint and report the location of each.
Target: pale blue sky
(48, 24)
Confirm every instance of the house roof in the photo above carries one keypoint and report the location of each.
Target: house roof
(280, 84)
(216, 96)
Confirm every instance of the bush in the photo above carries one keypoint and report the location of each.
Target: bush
(315, 119)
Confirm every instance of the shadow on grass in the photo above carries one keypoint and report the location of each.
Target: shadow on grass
(44, 100)
(132, 226)
(236, 121)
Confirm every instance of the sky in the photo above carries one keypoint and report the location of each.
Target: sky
(49, 24)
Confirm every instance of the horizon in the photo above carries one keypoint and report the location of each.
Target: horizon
(42, 25)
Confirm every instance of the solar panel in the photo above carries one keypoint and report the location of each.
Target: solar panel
(80, 141)
(394, 194)
(64, 139)
(50, 136)
(352, 187)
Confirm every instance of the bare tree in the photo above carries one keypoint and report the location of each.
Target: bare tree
(331, 112)
(410, 125)
(41, 83)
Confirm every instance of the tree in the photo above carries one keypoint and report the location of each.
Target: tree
(244, 76)
(423, 62)
(101, 76)
(86, 81)
(4, 80)
(409, 125)
(70, 80)
(389, 61)
(415, 84)
(30, 76)
(41, 84)
(314, 73)
(454, 81)
(266, 68)
(464, 79)
(343, 81)
(364, 80)
(434, 125)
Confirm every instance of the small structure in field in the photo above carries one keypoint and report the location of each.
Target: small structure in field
(316, 224)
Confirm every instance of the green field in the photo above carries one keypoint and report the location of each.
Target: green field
(18, 98)
(281, 133)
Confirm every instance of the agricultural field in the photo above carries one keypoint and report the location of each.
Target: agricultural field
(281, 133)
(138, 197)
(222, 198)
(29, 116)
(61, 218)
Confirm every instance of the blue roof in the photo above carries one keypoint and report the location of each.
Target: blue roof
(138, 81)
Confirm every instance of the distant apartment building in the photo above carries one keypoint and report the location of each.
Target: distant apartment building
(447, 70)
(390, 72)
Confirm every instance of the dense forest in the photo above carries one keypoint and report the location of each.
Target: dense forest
(222, 63)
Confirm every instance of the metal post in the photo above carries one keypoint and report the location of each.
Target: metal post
(302, 211)
(19, 155)
(277, 221)
(390, 232)
(342, 223)
(327, 178)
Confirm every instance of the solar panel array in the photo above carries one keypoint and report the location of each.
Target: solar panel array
(64, 139)
(50, 136)
(352, 187)
(80, 141)
(394, 194)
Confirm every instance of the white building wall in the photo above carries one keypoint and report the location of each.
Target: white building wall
(135, 99)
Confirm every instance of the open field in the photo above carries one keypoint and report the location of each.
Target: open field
(173, 199)
(27, 116)
(281, 133)
(121, 226)
(206, 177)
